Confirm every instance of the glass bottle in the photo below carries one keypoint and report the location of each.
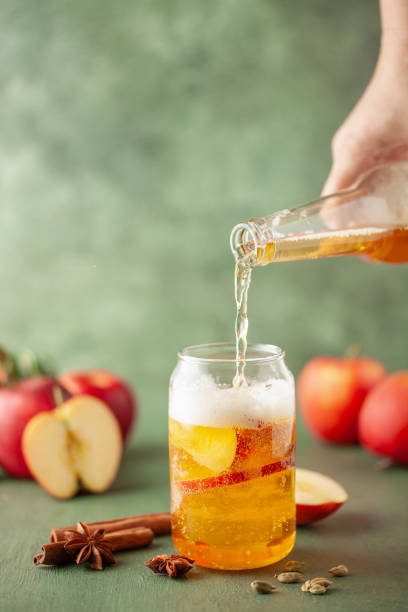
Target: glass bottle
(370, 218)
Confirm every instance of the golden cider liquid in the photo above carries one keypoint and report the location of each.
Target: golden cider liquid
(232, 493)
(385, 245)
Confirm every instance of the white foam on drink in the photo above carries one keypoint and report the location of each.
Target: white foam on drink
(203, 402)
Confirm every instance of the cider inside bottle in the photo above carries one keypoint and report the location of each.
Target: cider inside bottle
(381, 244)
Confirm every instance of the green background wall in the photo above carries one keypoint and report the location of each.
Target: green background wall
(134, 135)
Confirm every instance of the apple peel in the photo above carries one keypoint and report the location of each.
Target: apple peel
(317, 496)
(224, 480)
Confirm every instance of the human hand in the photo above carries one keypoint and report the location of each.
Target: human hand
(377, 128)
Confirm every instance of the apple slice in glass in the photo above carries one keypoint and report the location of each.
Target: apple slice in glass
(212, 447)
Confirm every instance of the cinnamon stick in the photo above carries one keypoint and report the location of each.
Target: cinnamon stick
(54, 553)
(158, 522)
(126, 539)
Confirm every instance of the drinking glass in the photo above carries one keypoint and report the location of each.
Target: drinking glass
(232, 456)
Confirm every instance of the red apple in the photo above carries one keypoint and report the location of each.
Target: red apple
(107, 387)
(331, 391)
(317, 496)
(79, 444)
(18, 404)
(383, 420)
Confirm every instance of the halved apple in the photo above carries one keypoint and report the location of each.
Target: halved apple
(317, 496)
(77, 444)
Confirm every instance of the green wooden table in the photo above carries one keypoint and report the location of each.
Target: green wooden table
(134, 134)
(369, 534)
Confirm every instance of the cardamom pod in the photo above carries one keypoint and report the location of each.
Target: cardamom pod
(306, 586)
(293, 566)
(259, 586)
(317, 589)
(290, 577)
(322, 581)
(339, 570)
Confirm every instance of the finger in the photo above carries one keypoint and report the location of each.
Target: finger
(347, 168)
(367, 259)
(338, 179)
(393, 152)
(343, 174)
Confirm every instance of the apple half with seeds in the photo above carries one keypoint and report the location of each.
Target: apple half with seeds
(77, 445)
(317, 496)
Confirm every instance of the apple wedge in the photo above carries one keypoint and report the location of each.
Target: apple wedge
(211, 447)
(77, 444)
(317, 496)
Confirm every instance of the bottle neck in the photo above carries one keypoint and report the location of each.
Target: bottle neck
(259, 240)
(249, 239)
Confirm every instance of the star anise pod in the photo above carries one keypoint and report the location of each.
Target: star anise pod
(173, 566)
(91, 546)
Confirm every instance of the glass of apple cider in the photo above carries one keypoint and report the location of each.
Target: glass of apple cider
(232, 456)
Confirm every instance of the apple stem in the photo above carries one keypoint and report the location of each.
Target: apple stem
(20, 365)
(58, 397)
(8, 368)
(353, 351)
